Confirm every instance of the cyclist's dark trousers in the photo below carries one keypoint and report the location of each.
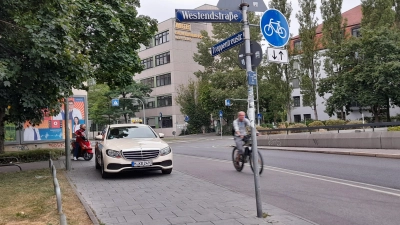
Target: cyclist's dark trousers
(239, 144)
(76, 149)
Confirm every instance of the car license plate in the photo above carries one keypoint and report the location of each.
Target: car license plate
(142, 163)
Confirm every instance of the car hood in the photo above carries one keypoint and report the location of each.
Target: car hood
(136, 143)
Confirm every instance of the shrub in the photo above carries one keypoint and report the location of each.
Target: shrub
(35, 155)
(334, 122)
(267, 125)
(351, 122)
(297, 125)
(316, 123)
(394, 128)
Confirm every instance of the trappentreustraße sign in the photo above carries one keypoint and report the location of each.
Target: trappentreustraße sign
(227, 43)
(208, 16)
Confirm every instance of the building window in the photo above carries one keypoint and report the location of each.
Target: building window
(296, 83)
(167, 122)
(163, 80)
(148, 81)
(151, 43)
(296, 101)
(162, 59)
(307, 117)
(297, 118)
(297, 45)
(355, 32)
(162, 38)
(163, 101)
(148, 63)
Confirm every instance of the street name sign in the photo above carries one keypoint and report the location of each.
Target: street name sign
(208, 16)
(115, 102)
(278, 55)
(228, 43)
(275, 28)
(227, 102)
(254, 5)
(256, 57)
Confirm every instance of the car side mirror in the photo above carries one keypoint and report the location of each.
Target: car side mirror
(161, 135)
(99, 137)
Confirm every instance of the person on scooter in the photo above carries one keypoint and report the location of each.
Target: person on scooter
(80, 137)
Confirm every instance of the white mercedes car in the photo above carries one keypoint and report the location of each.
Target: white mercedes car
(127, 147)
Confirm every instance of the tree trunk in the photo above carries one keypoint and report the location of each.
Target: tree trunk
(126, 119)
(2, 129)
(313, 91)
(388, 110)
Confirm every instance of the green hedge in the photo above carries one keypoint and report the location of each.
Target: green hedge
(394, 128)
(35, 155)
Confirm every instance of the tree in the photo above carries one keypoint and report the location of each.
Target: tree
(98, 103)
(279, 73)
(309, 58)
(50, 47)
(333, 37)
(222, 76)
(191, 105)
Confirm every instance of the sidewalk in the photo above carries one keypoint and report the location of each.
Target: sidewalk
(153, 198)
(380, 153)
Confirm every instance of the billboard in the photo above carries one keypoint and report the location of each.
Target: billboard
(51, 129)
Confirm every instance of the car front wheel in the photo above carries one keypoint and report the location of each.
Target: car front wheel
(167, 171)
(104, 174)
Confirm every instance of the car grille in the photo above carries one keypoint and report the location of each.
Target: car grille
(141, 155)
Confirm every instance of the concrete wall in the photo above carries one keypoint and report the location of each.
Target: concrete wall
(367, 140)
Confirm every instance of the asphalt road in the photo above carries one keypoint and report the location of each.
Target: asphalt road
(324, 188)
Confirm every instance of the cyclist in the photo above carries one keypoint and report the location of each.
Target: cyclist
(240, 126)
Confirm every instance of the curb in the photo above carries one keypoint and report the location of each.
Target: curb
(377, 155)
(89, 210)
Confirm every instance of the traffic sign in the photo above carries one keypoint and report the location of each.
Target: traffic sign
(160, 114)
(228, 43)
(275, 28)
(220, 113)
(208, 16)
(256, 57)
(254, 5)
(227, 102)
(115, 102)
(252, 78)
(259, 116)
(186, 118)
(278, 55)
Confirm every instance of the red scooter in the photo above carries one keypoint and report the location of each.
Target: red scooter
(86, 150)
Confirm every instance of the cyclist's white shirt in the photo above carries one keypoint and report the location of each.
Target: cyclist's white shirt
(241, 126)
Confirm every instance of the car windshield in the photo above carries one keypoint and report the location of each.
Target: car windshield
(131, 132)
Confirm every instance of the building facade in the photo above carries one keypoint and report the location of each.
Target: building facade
(299, 112)
(169, 63)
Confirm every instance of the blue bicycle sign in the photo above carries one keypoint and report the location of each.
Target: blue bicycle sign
(272, 27)
(275, 28)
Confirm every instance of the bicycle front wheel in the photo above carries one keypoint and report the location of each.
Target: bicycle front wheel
(237, 159)
(269, 30)
(260, 163)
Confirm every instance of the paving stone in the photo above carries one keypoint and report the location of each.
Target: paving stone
(205, 218)
(179, 220)
(189, 212)
(228, 215)
(226, 222)
(156, 222)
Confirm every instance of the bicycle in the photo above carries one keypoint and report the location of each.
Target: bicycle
(271, 29)
(240, 159)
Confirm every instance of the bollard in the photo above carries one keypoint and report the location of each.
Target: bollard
(63, 219)
(58, 195)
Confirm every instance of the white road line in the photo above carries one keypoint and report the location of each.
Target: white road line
(316, 177)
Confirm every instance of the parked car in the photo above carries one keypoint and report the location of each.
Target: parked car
(129, 147)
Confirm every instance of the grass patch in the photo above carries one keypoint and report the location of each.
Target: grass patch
(34, 155)
(28, 198)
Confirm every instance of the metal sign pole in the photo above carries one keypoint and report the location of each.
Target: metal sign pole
(67, 140)
(220, 119)
(251, 110)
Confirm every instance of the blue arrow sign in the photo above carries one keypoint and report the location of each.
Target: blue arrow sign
(186, 118)
(220, 113)
(228, 43)
(275, 28)
(208, 16)
(115, 102)
(252, 78)
(259, 116)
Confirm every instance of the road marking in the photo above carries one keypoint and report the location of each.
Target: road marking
(314, 176)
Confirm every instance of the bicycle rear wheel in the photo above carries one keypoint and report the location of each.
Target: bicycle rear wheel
(238, 162)
(260, 163)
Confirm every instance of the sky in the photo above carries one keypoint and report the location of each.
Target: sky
(165, 9)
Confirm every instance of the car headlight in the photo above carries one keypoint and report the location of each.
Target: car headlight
(165, 151)
(113, 153)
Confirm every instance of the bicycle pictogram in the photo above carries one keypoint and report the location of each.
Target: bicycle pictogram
(272, 27)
